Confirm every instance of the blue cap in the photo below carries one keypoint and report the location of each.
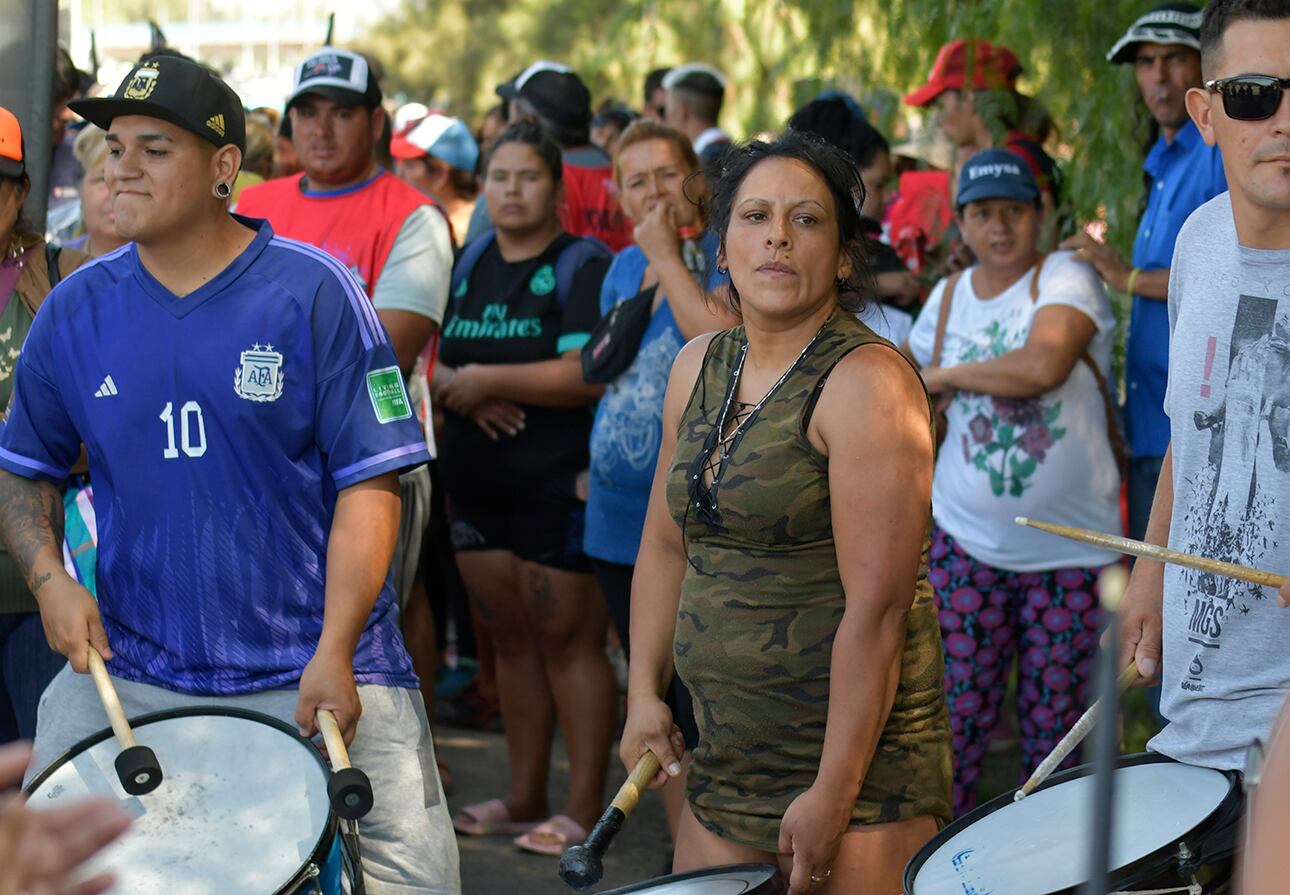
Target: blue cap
(445, 138)
(996, 174)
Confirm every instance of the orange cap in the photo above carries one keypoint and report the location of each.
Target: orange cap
(11, 148)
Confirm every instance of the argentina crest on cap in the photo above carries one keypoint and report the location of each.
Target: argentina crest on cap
(142, 82)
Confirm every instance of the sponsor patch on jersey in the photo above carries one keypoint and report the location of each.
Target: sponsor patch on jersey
(389, 398)
(543, 282)
(260, 376)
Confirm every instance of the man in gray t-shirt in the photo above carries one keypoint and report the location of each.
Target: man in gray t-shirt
(1224, 491)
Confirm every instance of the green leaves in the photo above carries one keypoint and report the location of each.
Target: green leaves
(454, 52)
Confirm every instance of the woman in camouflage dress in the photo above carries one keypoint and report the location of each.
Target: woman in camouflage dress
(786, 543)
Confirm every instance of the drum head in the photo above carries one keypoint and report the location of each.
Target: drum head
(733, 879)
(242, 807)
(1040, 845)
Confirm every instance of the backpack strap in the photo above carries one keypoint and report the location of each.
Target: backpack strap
(944, 317)
(1113, 435)
(572, 257)
(469, 257)
(52, 252)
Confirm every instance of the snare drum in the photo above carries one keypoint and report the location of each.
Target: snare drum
(729, 880)
(733, 879)
(1172, 821)
(242, 808)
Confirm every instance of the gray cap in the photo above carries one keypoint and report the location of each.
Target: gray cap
(1173, 24)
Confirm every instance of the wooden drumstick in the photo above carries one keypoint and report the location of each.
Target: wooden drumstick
(1160, 554)
(1073, 737)
(349, 789)
(136, 766)
(581, 865)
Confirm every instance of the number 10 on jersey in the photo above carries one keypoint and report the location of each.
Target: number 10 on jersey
(192, 430)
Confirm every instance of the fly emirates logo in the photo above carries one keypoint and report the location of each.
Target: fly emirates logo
(494, 324)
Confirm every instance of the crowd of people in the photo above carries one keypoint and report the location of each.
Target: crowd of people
(331, 406)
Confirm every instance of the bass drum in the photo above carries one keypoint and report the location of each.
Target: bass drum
(1173, 822)
(733, 879)
(242, 808)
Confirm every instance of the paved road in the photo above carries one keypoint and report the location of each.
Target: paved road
(493, 866)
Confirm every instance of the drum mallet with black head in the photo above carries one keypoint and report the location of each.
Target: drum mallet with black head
(136, 766)
(580, 866)
(349, 789)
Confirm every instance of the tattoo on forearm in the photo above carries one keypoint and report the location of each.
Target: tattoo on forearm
(40, 579)
(31, 520)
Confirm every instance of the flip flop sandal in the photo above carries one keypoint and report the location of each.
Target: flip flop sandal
(490, 819)
(552, 836)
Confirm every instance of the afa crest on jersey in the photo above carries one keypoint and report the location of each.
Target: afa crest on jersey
(260, 376)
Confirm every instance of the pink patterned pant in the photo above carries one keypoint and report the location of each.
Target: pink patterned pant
(1047, 620)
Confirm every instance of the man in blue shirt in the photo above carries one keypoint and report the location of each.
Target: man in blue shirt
(1183, 174)
(245, 423)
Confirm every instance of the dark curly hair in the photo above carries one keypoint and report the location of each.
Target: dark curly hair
(835, 168)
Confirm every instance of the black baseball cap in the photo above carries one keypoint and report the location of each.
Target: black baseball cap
(996, 174)
(177, 90)
(342, 76)
(554, 90)
(1173, 24)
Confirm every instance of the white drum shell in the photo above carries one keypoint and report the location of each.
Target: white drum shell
(1041, 844)
(734, 880)
(241, 809)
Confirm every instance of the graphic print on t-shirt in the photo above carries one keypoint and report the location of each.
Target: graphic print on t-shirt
(1232, 497)
(1006, 438)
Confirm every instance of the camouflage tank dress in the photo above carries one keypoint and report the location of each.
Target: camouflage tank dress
(760, 604)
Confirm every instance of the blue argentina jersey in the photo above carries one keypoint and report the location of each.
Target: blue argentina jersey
(219, 428)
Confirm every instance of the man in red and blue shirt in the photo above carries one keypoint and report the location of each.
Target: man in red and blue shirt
(390, 235)
(554, 96)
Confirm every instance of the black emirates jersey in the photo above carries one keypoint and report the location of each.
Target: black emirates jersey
(508, 312)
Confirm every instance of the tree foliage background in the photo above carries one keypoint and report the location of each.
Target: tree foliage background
(779, 53)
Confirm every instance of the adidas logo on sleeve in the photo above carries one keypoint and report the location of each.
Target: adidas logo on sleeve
(107, 389)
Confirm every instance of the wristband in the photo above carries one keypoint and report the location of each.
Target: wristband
(1128, 284)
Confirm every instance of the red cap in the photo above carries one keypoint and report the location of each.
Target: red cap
(993, 67)
(11, 149)
(401, 147)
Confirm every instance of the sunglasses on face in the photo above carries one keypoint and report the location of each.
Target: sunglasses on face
(1249, 97)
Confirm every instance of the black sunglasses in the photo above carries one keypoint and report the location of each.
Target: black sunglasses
(1249, 97)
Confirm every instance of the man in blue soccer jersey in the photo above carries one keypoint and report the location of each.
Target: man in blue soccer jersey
(245, 422)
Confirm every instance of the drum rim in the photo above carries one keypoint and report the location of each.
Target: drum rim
(1126, 875)
(318, 857)
(697, 874)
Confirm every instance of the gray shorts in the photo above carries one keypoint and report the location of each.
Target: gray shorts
(408, 843)
(414, 488)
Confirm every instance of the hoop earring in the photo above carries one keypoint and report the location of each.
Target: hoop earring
(223, 190)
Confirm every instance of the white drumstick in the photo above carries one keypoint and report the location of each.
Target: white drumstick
(1072, 739)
